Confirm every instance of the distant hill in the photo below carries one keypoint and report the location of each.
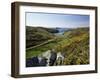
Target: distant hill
(37, 35)
(77, 31)
(51, 30)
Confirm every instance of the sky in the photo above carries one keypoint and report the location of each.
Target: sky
(51, 20)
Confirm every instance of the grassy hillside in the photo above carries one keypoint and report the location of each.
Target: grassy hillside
(74, 44)
(37, 35)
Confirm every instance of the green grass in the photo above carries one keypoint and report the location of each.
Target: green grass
(39, 50)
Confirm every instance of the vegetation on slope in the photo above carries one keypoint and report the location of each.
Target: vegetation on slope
(77, 47)
(37, 35)
(74, 44)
